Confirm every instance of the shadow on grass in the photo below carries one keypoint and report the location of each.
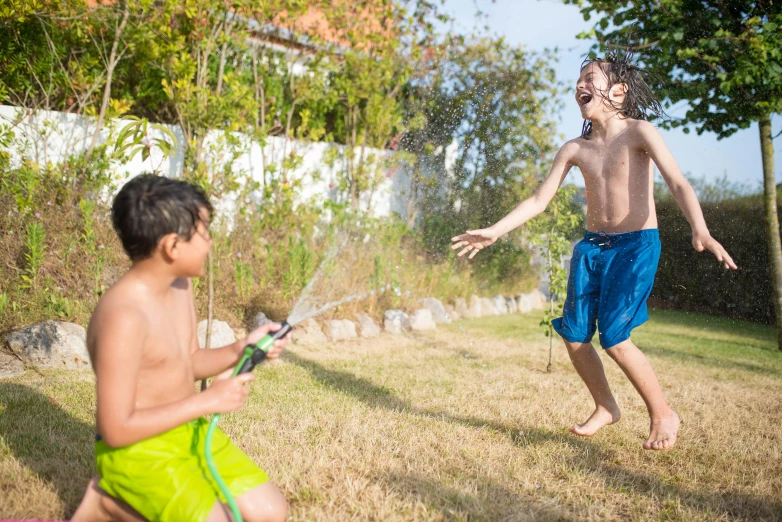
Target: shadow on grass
(758, 336)
(705, 360)
(47, 440)
(589, 458)
(491, 501)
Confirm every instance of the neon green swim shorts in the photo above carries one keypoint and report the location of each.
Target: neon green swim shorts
(165, 478)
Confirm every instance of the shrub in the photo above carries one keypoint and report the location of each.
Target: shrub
(690, 280)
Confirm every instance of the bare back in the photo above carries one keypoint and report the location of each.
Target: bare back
(164, 338)
(619, 180)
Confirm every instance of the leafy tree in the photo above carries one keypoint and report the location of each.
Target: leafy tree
(495, 101)
(724, 59)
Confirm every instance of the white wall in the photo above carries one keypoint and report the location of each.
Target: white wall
(47, 137)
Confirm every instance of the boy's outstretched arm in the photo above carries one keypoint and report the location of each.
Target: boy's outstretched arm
(474, 241)
(117, 360)
(683, 193)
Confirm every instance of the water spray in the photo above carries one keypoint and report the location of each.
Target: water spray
(253, 355)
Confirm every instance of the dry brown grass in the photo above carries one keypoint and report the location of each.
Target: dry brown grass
(460, 424)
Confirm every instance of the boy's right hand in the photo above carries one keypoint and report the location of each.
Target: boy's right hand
(474, 240)
(227, 395)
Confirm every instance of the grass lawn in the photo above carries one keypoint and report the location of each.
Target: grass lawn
(460, 424)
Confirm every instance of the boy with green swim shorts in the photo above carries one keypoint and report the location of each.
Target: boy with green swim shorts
(144, 349)
(612, 270)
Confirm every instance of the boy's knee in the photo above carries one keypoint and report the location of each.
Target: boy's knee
(264, 504)
(575, 347)
(619, 350)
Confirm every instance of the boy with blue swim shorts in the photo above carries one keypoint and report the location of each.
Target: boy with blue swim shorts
(142, 341)
(612, 270)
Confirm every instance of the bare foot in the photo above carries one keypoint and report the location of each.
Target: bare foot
(599, 418)
(663, 431)
(91, 508)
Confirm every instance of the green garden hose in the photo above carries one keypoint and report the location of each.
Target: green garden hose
(253, 355)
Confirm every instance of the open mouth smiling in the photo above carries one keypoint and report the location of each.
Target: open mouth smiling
(584, 99)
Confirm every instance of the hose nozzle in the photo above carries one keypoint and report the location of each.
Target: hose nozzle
(256, 353)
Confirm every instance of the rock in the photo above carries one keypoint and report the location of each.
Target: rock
(452, 314)
(487, 307)
(340, 329)
(475, 310)
(222, 334)
(396, 321)
(260, 319)
(435, 306)
(539, 300)
(10, 366)
(534, 300)
(512, 306)
(366, 326)
(309, 333)
(111, 275)
(51, 344)
(422, 320)
(461, 307)
(524, 303)
(240, 333)
(500, 305)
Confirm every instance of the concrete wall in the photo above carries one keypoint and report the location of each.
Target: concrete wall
(47, 137)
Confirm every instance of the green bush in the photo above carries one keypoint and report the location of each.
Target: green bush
(690, 280)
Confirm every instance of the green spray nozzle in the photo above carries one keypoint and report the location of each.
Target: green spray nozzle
(254, 354)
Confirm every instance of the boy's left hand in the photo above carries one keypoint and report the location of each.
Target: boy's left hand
(260, 332)
(706, 242)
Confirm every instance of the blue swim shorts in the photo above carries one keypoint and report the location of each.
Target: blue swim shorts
(611, 277)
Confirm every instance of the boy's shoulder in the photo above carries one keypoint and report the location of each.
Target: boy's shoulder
(572, 146)
(117, 301)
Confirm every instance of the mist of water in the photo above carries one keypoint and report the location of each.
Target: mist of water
(306, 307)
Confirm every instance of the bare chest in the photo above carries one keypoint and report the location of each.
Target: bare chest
(616, 164)
(170, 336)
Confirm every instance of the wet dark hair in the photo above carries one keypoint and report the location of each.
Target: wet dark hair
(149, 207)
(640, 102)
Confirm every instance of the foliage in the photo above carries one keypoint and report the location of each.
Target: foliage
(691, 281)
(134, 138)
(34, 255)
(724, 59)
(552, 232)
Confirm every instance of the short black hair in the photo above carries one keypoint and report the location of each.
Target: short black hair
(149, 207)
(640, 102)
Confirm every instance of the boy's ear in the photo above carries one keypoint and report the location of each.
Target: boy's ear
(168, 246)
(620, 89)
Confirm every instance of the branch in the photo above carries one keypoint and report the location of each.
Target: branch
(113, 60)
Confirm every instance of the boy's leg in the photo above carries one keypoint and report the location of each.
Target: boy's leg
(263, 503)
(590, 369)
(219, 513)
(664, 421)
(97, 506)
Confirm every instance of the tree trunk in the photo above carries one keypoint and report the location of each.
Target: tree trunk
(209, 307)
(550, 311)
(772, 218)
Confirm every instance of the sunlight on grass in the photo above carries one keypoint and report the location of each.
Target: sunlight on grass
(460, 424)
